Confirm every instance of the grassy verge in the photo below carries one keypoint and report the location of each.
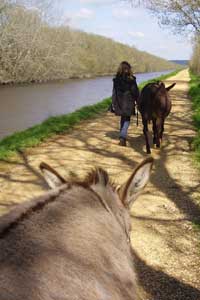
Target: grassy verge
(195, 96)
(194, 93)
(55, 125)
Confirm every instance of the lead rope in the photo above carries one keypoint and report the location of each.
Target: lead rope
(137, 113)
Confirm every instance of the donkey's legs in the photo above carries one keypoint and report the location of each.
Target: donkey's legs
(154, 131)
(145, 131)
(162, 129)
(158, 131)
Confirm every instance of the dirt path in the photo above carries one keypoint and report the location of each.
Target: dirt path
(166, 246)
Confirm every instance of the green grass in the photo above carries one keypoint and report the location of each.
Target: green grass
(194, 93)
(196, 225)
(56, 125)
(195, 96)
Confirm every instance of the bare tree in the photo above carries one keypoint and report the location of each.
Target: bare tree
(195, 60)
(180, 15)
(34, 49)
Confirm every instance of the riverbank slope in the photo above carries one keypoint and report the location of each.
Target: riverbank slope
(36, 51)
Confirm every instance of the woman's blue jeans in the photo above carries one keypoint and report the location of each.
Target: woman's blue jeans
(124, 125)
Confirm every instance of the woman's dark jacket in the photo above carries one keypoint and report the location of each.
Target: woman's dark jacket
(125, 94)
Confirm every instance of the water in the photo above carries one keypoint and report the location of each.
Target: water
(26, 105)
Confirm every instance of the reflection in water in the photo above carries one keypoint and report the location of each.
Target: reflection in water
(25, 106)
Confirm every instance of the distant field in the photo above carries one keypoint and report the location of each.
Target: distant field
(180, 62)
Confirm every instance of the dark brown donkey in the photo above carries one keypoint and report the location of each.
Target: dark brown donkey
(72, 243)
(154, 105)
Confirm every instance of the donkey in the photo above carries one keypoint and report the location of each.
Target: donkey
(73, 243)
(154, 105)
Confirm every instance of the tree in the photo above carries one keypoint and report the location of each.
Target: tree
(180, 15)
(33, 49)
(195, 60)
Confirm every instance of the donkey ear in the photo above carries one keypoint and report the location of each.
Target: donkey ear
(137, 181)
(52, 178)
(170, 87)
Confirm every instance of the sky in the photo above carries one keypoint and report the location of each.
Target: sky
(119, 20)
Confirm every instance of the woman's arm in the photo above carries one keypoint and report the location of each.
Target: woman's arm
(135, 90)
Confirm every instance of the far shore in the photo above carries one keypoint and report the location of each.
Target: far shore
(81, 76)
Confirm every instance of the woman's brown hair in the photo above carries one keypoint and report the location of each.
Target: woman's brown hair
(124, 66)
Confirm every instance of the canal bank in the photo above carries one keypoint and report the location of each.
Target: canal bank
(55, 125)
(24, 106)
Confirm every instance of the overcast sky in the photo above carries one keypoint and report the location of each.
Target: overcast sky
(122, 22)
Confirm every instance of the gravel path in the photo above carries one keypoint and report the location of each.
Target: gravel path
(166, 245)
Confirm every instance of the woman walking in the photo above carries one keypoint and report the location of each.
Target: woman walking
(124, 97)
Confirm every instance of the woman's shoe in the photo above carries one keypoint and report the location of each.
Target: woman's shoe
(122, 142)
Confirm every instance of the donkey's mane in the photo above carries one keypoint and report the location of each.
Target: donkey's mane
(157, 84)
(24, 210)
(95, 176)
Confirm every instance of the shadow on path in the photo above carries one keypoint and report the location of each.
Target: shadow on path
(162, 286)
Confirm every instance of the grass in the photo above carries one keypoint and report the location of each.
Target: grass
(195, 96)
(56, 125)
(196, 225)
(194, 93)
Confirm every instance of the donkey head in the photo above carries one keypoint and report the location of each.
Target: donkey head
(160, 88)
(99, 181)
(116, 199)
